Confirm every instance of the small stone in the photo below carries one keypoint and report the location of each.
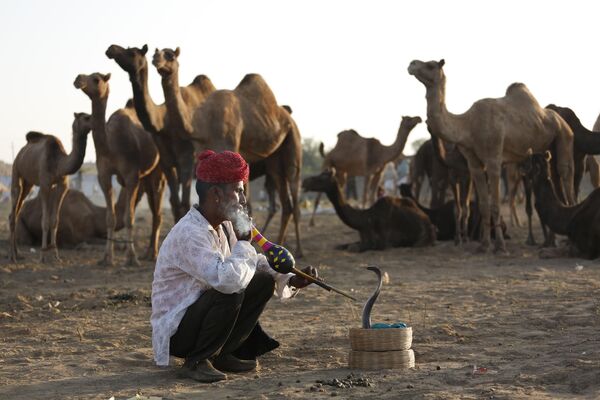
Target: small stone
(297, 380)
(409, 386)
(438, 367)
(280, 384)
(333, 394)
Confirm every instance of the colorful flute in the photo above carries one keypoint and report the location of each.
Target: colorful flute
(282, 261)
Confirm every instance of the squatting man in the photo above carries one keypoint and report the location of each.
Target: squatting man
(210, 286)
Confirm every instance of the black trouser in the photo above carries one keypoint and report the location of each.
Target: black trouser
(217, 323)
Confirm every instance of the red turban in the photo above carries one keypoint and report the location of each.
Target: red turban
(225, 167)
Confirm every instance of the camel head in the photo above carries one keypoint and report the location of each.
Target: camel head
(131, 59)
(165, 61)
(320, 183)
(537, 166)
(410, 122)
(82, 124)
(566, 113)
(429, 73)
(94, 85)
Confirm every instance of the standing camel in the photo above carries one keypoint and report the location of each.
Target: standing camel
(355, 155)
(247, 120)
(124, 149)
(494, 131)
(176, 151)
(44, 162)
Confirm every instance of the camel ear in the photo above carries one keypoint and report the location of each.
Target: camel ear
(177, 51)
(548, 155)
(145, 49)
(76, 114)
(106, 77)
(442, 62)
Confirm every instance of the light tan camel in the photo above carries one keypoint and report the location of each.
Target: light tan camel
(494, 131)
(44, 162)
(176, 152)
(354, 155)
(246, 120)
(124, 149)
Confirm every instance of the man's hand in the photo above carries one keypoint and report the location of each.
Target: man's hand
(299, 282)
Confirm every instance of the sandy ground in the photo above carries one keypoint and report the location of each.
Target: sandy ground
(79, 330)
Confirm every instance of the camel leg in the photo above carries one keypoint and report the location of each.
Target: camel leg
(173, 184)
(529, 210)
(45, 193)
(270, 188)
(594, 170)
(107, 191)
(375, 180)
(186, 175)
(493, 171)
(19, 191)
(286, 207)
(154, 186)
(465, 198)
(565, 166)
(512, 195)
(481, 186)
(294, 185)
(60, 191)
(366, 186)
(132, 191)
(312, 218)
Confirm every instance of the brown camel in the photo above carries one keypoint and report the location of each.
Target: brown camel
(354, 155)
(580, 223)
(124, 149)
(80, 220)
(494, 131)
(390, 222)
(246, 120)
(176, 152)
(44, 162)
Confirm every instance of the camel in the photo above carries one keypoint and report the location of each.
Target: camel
(390, 222)
(494, 131)
(586, 143)
(80, 220)
(444, 219)
(176, 152)
(247, 120)
(44, 162)
(580, 223)
(355, 155)
(124, 149)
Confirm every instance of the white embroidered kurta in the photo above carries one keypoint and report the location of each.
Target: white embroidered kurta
(193, 258)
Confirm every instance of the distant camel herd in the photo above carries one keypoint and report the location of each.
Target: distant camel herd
(149, 146)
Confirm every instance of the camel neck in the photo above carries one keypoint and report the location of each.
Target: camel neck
(99, 124)
(441, 122)
(145, 108)
(392, 152)
(551, 210)
(179, 118)
(348, 214)
(586, 141)
(72, 162)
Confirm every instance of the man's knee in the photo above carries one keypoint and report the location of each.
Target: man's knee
(264, 283)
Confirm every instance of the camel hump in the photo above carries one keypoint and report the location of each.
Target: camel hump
(204, 83)
(351, 133)
(34, 136)
(518, 92)
(255, 88)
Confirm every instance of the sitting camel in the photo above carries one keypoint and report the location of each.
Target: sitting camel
(355, 155)
(580, 223)
(80, 220)
(495, 131)
(390, 222)
(124, 149)
(44, 162)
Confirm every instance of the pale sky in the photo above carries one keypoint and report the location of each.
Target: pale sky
(339, 64)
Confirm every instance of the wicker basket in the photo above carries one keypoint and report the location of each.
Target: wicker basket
(401, 359)
(392, 339)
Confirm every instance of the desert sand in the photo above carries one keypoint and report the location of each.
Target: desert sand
(81, 331)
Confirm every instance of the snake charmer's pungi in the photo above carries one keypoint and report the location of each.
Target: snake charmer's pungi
(210, 286)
